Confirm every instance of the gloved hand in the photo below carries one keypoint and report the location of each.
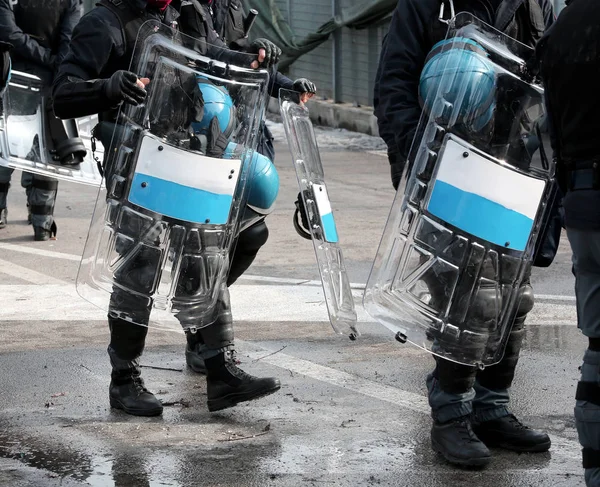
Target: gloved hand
(272, 52)
(303, 226)
(303, 85)
(122, 86)
(216, 142)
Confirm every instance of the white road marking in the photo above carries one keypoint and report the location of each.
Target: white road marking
(44, 253)
(251, 302)
(27, 274)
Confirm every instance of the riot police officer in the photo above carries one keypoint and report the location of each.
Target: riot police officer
(230, 23)
(94, 78)
(469, 407)
(570, 67)
(40, 31)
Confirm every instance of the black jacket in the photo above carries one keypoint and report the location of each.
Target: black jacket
(414, 29)
(40, 31)
(228, 18)
(100, 46)
(570, 67)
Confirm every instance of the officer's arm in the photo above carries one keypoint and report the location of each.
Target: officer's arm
(401, 64)
(279, 81)
(23, 45)
(548, 11)
(68, 21)
(78, 90)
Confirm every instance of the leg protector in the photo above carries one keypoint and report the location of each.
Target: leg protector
(5, 176)
(454, 378)
(500, 376)
(127, 340)
(218, 337)
(249, 243)
(41, 197)
(587, 415)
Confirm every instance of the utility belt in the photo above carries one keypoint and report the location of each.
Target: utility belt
(585, 177)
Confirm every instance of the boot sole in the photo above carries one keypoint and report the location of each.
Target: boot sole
(539, 448)
(115, 404)
(463, 462)
(233, 399)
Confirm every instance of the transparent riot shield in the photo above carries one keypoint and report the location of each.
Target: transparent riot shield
(32, 139)
(459, 241)
(176, 173)
(311, 180)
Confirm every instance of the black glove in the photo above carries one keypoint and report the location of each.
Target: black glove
(272, 52)
(216, 142)
(122, 86)
(304, 85)
(302, 227)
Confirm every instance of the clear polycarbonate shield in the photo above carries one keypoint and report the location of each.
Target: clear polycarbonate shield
(32, 139)
(311, 180)
(460, 238)
(176, 174)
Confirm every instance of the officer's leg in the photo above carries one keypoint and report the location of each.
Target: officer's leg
(248, 244)
(586, 267)
(5, 175)
(494, 425)
(41, 197)
(227, 384)
(127, 340)
(451, 393)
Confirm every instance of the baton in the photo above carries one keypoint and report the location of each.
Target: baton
(249, 21)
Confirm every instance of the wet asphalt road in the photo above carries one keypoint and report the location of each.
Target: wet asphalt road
(348, 414)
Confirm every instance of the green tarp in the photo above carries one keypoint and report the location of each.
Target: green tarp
(271, 24)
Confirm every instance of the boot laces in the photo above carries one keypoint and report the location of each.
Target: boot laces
(138, 385)
(516, 423)
(465, 430)
(231, 365)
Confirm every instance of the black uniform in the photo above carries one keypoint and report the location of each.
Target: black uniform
(571, 68)
(228, 20)
(102, 46)
(39, 31)
(455, 391)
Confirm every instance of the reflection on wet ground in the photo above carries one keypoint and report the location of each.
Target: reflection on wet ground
(310, 433)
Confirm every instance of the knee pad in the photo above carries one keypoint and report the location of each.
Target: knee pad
(526, 300)
(454, 378)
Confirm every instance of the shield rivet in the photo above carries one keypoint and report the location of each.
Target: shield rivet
(232, 171)
(160, 148)
(465, 154)
(507, 244)
(207, 220)
(230, 177)
(144, 185)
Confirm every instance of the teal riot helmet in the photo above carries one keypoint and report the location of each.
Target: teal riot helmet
(216, 103)
(459, 72)
(264, 179)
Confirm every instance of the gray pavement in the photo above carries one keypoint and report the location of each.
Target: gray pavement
(348, 414)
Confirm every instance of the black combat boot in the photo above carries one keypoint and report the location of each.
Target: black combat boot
(127, 391)
(457, 443)
(509, 433)
(40, 234)
(3, 217)
(228, 385)
(193, 359)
